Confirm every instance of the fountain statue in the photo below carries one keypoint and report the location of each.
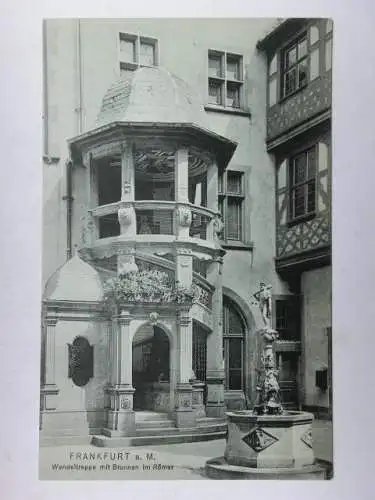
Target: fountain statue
(268, 442)
(268, 391)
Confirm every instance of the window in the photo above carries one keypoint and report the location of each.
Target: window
(294, 67)
(233, 346)
(137, 51)
(287, 318)
(302, 176)
(328, 44)
(231, 197)
(225, 79)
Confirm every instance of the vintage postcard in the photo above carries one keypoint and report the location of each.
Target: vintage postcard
(186, 309)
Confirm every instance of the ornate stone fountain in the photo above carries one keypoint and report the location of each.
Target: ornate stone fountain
(268, 442)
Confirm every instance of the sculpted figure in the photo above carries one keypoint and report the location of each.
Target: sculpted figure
(264, 298)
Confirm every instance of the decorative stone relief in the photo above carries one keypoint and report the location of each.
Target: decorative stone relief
(126, 404)
(87, 227)
(258, 439)
(307, 438)
(218, 225)
(184, 216)
(126, 187)
(125, 216)
(154, 318)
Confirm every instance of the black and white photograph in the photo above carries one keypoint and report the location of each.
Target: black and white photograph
(186, 327)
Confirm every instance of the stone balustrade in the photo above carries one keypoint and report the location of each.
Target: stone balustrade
(151, 217)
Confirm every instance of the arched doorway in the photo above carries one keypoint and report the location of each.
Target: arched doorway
(151, 369)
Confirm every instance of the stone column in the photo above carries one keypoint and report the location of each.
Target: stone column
(183, 213)
(212, 204)
(184, 414)
(215, 406)
(91, 229)
(49, 390)
(126, 213)
(182, 175)
(121, 417)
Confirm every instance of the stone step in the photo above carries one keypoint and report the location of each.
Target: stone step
(156, 424)
(150, 416)
(186, 436)
(155, 431)
(211, 421)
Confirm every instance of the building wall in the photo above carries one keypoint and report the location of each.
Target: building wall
(79, 70)
(316, 292)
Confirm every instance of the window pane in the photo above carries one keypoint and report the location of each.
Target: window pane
(233, 69)
(302, 73)
(302, 48)
(281, 314)
(272, 92)
(291, 56)
(273, 66)
(311, 196)
(220, 183)
(234, 323)
(290, 81)
(127, 49)
(300, 164)
(234, 221)
(147, 54)
(329, 25)
(235, 380)
(234, 183)
(233, 96)
(314, 34)
(314, 64)
(214, 66)
(328, 54)
(214, 92)
(235, 354)
(311, 163)
(299, 201)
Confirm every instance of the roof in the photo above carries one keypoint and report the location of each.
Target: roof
(75, 281)
(151, 95)
(279, 31)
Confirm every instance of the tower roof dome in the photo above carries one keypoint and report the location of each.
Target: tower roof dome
(150, 95)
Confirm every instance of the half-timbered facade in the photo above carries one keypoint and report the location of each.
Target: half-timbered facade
(299, 55)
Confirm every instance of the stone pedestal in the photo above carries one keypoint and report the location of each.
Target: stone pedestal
(198, 403)
(120, 417)
(184, 414)
(215, 405)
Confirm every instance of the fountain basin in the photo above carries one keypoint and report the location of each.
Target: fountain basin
(269, 441)
(268, 447)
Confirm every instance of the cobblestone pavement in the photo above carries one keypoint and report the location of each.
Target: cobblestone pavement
(176, 461)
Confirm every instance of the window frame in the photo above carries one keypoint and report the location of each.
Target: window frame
(302, 36)
(292, 186)
(229, 304)
(224, 196)
(137, 39)
(223, 82)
